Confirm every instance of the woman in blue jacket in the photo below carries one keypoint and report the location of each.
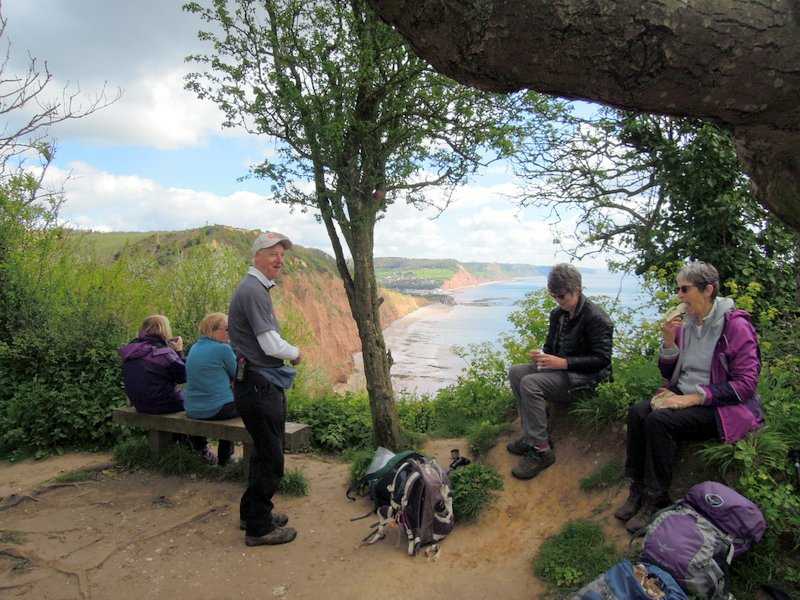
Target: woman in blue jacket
(210, 368)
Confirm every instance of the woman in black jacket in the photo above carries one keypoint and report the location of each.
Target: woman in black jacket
(577, 353)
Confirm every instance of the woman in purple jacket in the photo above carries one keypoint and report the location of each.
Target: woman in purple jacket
(152, 368)
(710, 363)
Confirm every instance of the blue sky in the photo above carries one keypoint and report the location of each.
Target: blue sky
(157, 159)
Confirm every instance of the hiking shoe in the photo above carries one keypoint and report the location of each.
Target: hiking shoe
(519, 447)
(631, 505)
(645, 514)
(533, 463)
(279, 535)
(278, 520)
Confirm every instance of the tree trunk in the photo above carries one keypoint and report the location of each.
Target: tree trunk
(733, 62)
(365, 306)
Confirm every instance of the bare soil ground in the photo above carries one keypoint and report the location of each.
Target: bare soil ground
(140, 536)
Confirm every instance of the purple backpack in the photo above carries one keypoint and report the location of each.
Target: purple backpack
(696, 538)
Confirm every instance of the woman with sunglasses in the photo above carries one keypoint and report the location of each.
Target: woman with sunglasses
(576, 354)
(210, 368)
(710, 361)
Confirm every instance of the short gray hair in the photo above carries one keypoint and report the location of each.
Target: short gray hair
(700, 274)
(564, 278)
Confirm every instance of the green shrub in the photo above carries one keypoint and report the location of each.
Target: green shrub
(294, 483)
(634, 380)
(574, 556)
(359, 461)
(337, 421)
(473, 490)
(483, 436)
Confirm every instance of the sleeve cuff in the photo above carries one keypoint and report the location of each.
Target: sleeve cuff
(704, 392)
(669, 353)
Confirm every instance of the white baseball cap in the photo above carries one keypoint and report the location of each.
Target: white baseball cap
(268, 239)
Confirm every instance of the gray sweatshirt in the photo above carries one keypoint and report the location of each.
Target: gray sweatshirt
(697, 348)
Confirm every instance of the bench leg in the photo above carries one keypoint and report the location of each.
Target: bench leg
(247, 452)
(159, 441)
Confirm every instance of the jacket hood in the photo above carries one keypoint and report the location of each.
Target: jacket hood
(722, 306)
(139, 348)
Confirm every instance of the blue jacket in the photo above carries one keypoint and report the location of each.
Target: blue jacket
(210, 367)
(151, 372)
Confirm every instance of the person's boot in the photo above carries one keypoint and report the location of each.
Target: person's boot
(519, 447)
(631, 505)
(643, 517)
(279, 535)
(533, 463)
(278, 520)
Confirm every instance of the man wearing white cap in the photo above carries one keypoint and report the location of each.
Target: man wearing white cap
(258, 391)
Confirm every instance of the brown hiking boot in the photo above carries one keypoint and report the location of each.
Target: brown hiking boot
(533, 463)
(279, 535)
(519, 447)
(631, 505)
(278, 520)
(645, 514)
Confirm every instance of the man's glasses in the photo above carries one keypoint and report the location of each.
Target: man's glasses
(559, 296)
(683, 289)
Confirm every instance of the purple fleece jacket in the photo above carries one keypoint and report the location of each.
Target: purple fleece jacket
(151, 371)
(735, 367)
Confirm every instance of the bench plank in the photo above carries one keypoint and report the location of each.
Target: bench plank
(297, 438)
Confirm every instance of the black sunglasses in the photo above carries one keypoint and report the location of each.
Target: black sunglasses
(682, 289)
(559, 296)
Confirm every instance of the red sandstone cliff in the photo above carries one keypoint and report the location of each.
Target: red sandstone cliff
(313, 307)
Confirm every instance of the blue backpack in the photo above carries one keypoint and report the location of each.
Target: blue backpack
(625, 581)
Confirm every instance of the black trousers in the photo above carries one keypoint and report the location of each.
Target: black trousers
(262, 407)
(652, 442)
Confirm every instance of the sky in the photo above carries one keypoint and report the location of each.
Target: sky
(158, 159)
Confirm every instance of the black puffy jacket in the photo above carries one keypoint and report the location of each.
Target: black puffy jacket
(585, 340)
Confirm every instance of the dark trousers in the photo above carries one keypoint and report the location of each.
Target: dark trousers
(652, 442)
(262, 407)
(224, 447)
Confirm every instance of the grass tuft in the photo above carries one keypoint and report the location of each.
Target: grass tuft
(610, 474)
(294, 483)
(574, 556)
(473, 490)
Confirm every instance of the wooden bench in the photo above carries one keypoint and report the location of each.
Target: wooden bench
(161, 427)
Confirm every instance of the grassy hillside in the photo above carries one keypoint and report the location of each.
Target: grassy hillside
(168, 247)
(425, 273)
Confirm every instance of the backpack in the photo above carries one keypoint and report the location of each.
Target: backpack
(620, 582)
(379, 476)
(696, 538)
(420, 504)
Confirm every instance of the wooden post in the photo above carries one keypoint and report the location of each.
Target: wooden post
(159, 441)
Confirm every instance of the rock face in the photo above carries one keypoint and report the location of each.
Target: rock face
(732, 62)
(318, 301)
(461, 279)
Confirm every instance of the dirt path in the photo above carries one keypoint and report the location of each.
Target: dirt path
(141, 536)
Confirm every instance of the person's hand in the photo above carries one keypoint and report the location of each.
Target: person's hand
(666, 399)
(548, 361)
(297, 360)
(176, 344)
(670, 330)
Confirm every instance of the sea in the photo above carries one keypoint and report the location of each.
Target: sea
(423, 343)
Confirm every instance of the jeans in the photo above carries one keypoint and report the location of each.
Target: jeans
(652, 442)
(262, 407)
